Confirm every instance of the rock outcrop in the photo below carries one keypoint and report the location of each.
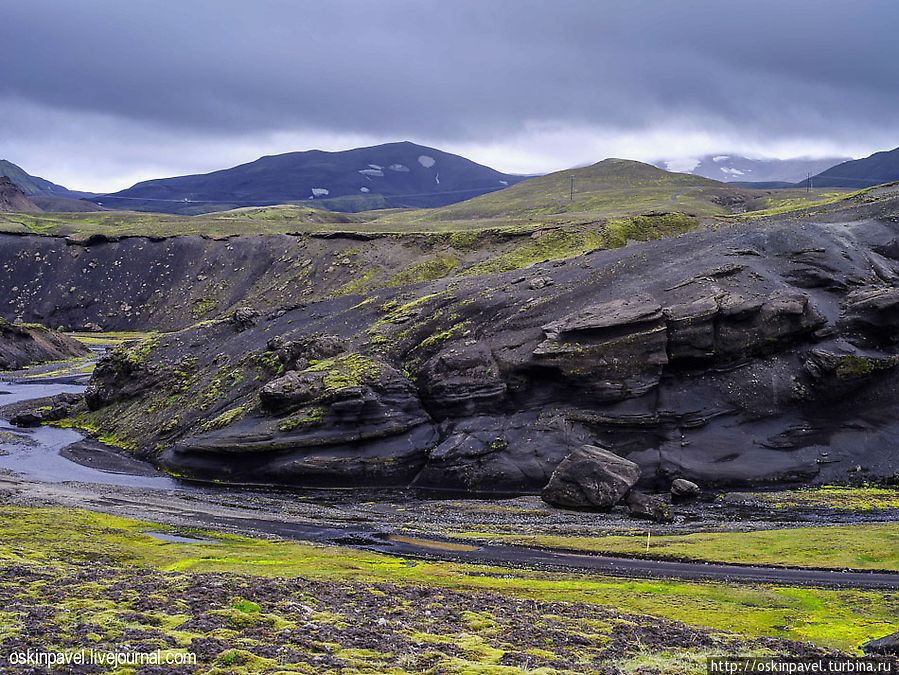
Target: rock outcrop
(12, 198)
(885, 646)
(722, 357)
(50, 410)
(24, 344)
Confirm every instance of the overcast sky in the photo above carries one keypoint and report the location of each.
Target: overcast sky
(98, 94)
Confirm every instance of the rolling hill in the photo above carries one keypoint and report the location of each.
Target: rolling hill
(881, 167)
(382, 176)
(612, 188)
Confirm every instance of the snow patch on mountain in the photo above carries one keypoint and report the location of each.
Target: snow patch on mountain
(426, 161)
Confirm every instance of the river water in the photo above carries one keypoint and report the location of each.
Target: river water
(39, 458)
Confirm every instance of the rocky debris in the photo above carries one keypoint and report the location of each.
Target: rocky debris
(36, 417)
(25, 344)
(540, 282)
(647, 507)
(591, 477)
(886, 646)
(50, 410)
(244, 317)
(684, 489)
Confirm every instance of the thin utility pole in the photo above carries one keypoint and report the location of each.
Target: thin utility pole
(571, 193)
(808, 181)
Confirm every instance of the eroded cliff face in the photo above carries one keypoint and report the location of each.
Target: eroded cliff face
(163, 284)
(21, 345)
(754, 354)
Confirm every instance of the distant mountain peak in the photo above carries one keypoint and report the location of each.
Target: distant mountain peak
(730, 168)
(400, 174)
(881, 167)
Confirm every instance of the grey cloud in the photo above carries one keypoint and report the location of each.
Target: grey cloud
(464, 71)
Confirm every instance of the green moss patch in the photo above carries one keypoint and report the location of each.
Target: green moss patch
(860, 546)
(336, 590)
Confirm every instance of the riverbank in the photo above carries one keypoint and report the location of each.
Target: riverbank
(87, 519)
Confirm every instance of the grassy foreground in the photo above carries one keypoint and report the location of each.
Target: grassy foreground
(73, 578)
(861, 546)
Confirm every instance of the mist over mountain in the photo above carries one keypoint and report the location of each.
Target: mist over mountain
(383, 176)
(739, 169)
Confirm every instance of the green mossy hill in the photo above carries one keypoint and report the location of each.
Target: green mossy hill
(613, 188)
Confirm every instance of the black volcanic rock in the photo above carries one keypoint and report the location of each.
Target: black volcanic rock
(647, 507)
(684, 489)
(887, 645)
(703, 357)
(389, 175)
(593, 477)
(21, 345)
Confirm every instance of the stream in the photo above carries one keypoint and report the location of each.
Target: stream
(38, 457)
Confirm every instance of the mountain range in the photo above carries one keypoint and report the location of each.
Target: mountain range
(383, 176)
(746, 170)
(881, 167)
(403, 175)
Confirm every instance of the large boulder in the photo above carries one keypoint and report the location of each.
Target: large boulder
(591, 477)
(647, 507)
(681, 488)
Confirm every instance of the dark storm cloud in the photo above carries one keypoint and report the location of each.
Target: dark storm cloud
(464, 71)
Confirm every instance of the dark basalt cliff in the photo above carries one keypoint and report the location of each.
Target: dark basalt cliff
(757, 353)
(142, 283)
(21, 345)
